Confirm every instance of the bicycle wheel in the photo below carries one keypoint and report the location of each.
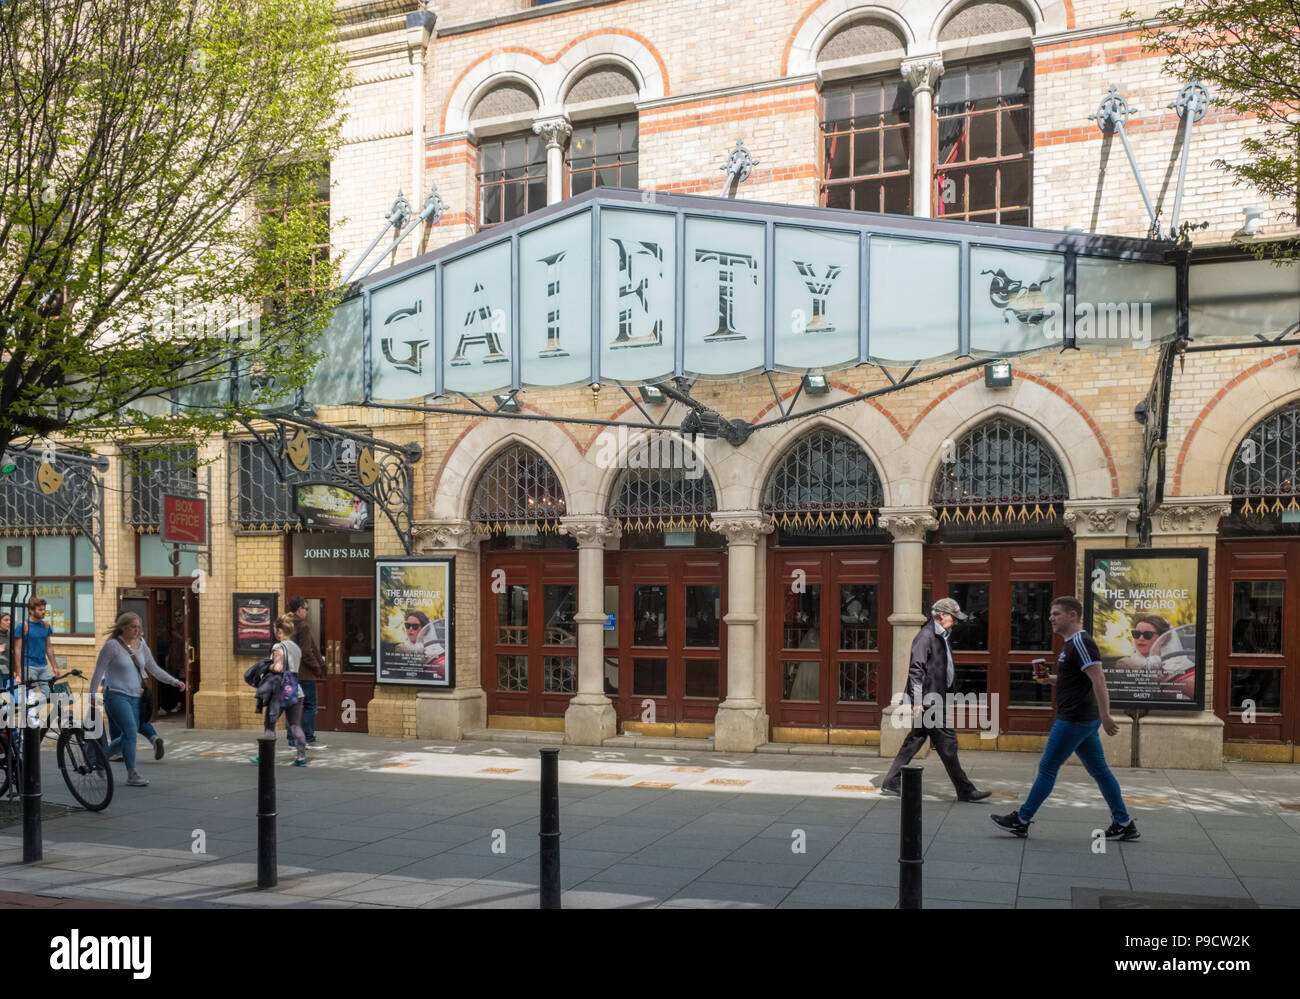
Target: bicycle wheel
(85, 769)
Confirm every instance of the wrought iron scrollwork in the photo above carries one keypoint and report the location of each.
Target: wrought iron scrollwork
(60, 493)
(825, 482)
(301, 452)
(1264, 477)
(518, 490)
(1000, 471)
(146, 480)
(659, 492)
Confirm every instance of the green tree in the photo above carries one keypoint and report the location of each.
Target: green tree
(141, 144)
(1247, 53)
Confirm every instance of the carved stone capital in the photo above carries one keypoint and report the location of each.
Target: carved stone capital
(741, 527)
(1192, 516)
(590, 531)
(922, 73)
(444, 535)
(553, 130)
(908, 523)
(1100, 518)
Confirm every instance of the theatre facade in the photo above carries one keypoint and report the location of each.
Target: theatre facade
(619, 445)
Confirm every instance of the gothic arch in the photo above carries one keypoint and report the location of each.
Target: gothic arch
(483, 443)
(1217, 431)
(774, 450)
(504, 65)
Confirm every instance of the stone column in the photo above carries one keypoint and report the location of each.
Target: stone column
(590, 718)
(419, 29)
(1178, 739)
(554, 131)
(449, 714)
(921, 74)
(741, 722)
(908, 525)
(1102, 523)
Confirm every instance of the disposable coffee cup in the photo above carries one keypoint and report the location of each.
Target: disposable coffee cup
(1040, 667)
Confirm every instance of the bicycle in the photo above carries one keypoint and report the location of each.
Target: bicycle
(81, 758)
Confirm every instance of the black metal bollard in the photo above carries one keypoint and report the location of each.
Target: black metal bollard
(33, 851)
(550, 831)
(909, 856)
(267, 871)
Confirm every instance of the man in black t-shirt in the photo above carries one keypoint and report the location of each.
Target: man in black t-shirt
(1082, 707)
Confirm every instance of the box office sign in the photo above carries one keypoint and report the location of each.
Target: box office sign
(634, 291)
(1146, 609)
(415, 601)
(185, 521)
(255, 615)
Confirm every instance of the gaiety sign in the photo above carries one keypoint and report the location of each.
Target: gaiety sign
(185, 520)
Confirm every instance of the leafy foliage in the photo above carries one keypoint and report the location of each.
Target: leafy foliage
(137, 138)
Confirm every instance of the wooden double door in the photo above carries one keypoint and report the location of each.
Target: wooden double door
(1257, 639)
(341, 615)
(828, 636)
(664, 643)
(1007, 590)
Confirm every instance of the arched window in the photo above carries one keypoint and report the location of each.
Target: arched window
(603, 147)
(998, 472)
(511, 166)
(824, 483)
(1264, 477)
(517, 492)
(664, 488)
(866, 154)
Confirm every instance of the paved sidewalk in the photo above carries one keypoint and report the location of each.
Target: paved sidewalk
(376, 822)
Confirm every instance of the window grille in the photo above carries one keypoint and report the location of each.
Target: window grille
(29, 509)
(1263, 475)
(259, 500)
(999, 464)
(517, 492)
(145, 481)
(825, 482)
(664, 495)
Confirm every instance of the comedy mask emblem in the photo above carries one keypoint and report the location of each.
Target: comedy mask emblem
(299, 450)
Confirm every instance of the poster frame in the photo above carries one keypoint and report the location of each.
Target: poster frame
(242, 648)
(1202, 559)
(450, 603)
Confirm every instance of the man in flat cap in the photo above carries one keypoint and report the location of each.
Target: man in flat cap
(929, 679)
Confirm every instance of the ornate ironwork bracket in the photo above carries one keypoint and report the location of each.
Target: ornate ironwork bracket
(55, 492)
(737, 167)
(1153, 413)
(1112, 114)
(376, 470)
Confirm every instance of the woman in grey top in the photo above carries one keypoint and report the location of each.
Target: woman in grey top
(285, 655)
(120, 668)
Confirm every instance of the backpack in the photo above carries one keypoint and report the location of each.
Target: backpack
(291, 691)
(255, 674)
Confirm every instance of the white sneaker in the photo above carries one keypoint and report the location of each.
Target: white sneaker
(316, 745)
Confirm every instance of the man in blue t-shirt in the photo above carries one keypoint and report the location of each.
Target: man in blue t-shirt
(1082, 707)
(33, 650)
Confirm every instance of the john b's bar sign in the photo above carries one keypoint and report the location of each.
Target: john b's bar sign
(632, 287)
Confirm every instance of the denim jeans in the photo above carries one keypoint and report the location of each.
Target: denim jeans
(145, 729)
(124, 716)
(308, 710)
(1069, 737)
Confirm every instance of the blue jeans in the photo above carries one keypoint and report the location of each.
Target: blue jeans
(145, 729)
(124, 718)
(1069, 737)
(308, 710)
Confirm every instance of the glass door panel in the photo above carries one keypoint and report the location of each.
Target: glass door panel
(358, 636)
